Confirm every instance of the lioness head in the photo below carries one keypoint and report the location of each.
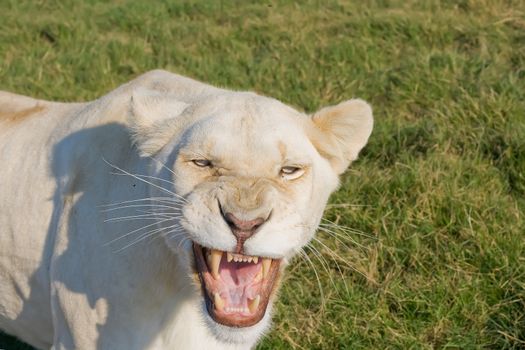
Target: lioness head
(252, 177)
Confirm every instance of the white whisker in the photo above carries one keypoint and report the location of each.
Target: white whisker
(178, 230)
(183, 241)
(152, 199)
(148, 177)
(324, 263)
(145, 181)
(336, 264)
(144, 236)
(307, 259)
(148, 216)
(162, 213)
(334, 254)
(336, 235)
(135, 231)
(141, 206)
(331, 224)
(164, 166)
(142, 215)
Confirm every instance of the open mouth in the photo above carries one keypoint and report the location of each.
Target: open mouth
(236, 287)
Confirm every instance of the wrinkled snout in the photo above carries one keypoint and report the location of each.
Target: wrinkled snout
(246, 209)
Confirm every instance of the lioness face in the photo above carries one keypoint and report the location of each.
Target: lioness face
(255, 176)
(247, 173)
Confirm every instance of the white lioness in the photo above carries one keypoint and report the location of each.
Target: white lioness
(220, 190)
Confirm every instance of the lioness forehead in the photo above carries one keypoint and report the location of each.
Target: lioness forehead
(253, 131)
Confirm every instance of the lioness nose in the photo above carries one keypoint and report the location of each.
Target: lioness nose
(243, 229)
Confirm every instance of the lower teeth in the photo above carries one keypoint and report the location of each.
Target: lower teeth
(217, 300)
(254, 304)
(237, 309)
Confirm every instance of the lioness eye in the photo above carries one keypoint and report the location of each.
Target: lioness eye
(291, 172)
(202, 162)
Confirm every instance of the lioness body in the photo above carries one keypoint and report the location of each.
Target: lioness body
(61, 284)
(51, 280)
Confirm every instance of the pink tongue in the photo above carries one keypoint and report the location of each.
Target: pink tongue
(237, 281)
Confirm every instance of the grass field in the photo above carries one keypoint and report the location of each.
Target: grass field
(439, 191)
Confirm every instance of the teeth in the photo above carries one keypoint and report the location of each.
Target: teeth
(214, 260)
(217, 300)
(266, 262)
(241, 258)
(237, 309)
(254, 304)
(258, 277)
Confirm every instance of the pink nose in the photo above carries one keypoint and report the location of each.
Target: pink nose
(242, 229)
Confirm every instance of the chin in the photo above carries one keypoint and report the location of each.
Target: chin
(248, 335)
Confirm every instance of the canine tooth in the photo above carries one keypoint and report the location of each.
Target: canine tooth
(229, 256)
(255, 259)
(266, 263)
(214, 262)
(254, 304)
(217, 300)
(258, 277)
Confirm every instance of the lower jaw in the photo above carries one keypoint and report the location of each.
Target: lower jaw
(236, 320)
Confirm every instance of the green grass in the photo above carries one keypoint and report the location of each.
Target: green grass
(440, 188)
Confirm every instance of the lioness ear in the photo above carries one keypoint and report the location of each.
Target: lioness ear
(341, 131)
(152, 119)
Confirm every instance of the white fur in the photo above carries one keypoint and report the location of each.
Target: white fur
(62, 286)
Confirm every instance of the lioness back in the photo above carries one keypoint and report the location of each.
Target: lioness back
(26, 207)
